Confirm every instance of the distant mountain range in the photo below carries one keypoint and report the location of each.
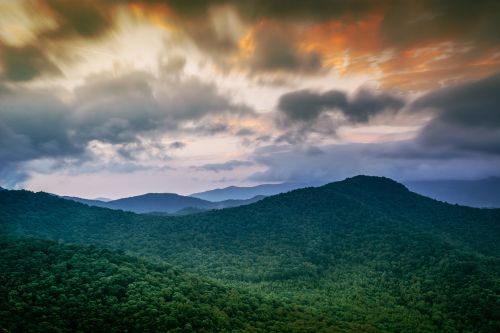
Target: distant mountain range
(164, 203)
(473, 193)
(243, 193)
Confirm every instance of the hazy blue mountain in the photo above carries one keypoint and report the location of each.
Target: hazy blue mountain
(474, 193)
(241, 193)
(90, 202)
(156, 202)
(164, 203)
(103, 199)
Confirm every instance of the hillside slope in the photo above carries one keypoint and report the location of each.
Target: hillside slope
(49, 287)
(365, 250)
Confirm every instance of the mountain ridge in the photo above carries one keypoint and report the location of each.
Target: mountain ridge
(247, 192)
(162, 203)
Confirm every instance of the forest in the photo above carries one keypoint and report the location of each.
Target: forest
(361, 255)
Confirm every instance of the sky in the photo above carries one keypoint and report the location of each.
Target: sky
(112, 98)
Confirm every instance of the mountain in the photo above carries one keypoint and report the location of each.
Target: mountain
(156, 202)
(164, 203)
(242, 193)
(103, 199)
(474, 193)
(90, 202)
(365, 252)
(50, 287)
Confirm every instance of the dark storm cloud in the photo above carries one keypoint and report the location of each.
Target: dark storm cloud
(468, 117)
(87, 18)
(25, 63)
(308, 106)
(418, 22)
(275, 51)
(287, 163)
(34, 125)
(71, 20)
(472, 104)
(226, 166)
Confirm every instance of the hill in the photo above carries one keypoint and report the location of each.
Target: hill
(474, 193)
(163, 203)
(50, 287)
(242, 193)
(366, 252)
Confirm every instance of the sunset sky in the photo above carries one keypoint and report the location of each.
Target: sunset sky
(113, 98)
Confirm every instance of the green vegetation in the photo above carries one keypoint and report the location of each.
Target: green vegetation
(365, 253)
(49, 287)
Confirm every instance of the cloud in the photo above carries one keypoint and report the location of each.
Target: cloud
(274, 50)
(87, 19)
(25, 63)
(177, 145)
(460, 141)
(305, 105)
(226, 166)
(67, 22)
(131, 112)
(305, 112)
(287, 163)
(467, 117)
(398, 39)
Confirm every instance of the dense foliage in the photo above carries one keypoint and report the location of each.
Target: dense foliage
(49, 287)
(365, 252)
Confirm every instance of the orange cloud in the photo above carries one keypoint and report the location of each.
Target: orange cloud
(160, 15)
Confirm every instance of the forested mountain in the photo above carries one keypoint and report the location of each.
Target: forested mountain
(163, 203)
(242, 193)
(474, 193)
(49, 287)
(365, 252)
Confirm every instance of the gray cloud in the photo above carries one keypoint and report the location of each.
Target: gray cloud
(306, 105)
(305, 112)
(467, 120)
(296, 164)
(85, 20)
(275, 51)
(36, 124)
(25, 63)
(226, 166)
(177, 145)
(461, 141)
